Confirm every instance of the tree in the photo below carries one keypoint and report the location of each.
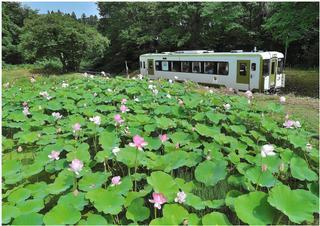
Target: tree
(60, 36)
(292, 21)
(13, 17)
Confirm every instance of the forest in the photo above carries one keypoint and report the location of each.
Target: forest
(125, 30)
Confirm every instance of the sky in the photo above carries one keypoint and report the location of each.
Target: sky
(89, 8)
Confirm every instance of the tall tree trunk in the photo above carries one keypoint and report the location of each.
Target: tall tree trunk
(285, 53)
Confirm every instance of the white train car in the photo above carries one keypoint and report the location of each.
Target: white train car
(262, 71)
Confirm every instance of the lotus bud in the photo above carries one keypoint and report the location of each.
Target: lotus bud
(20, 149)
(264, 167)
(75, 192)
(281, 167)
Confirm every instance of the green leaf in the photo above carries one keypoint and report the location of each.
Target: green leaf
(137, 211)
(299, 205)
(94, 219)
(163, 183)
(215, 117)
(165, 123)
(109, 202)
(264, 179)
(19, 195)
(207, 131)
(9, 212)
(254, 209)
(62, 214)
(194, 201)
(300, 170)
(210, 173)
(174, 213)
(78, 201)
(92, 181)
(108, 140)
(29, 219)
(215, 218)
(31, 206)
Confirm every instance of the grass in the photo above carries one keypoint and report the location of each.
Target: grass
(302, 82)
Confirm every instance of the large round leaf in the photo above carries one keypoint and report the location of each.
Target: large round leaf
(137, 211)
(29, 219)
(62, 214)
(109, 202)
(299, 205)
(163, 183)
(210, 172)
(253, 208)
(300, 170)
(215, 218)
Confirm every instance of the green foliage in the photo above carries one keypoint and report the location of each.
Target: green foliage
(213, 158)
(59, 36)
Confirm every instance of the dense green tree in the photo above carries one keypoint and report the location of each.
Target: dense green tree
(13, 17)
(292, 21)
(60, 36)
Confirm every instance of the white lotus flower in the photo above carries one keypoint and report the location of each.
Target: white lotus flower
(267, 150)
(96, 120)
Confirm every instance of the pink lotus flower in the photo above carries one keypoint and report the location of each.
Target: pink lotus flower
(96, 120)
(282, 99)
(267, 150)
(163, 138)
(25, 104)
(118, 119)
(181, 197)
(138, 142)
(76, 166)
(249, 94)
(116, 180)
(76, 127)
(45, 94)
(54, 155)
(124, 109)
(227, 106)
(290, 124)
(158, 200)
(26, 111)
(177, 145)
(56, 115)
(124, 101)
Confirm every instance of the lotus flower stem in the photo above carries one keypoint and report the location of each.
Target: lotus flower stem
(135, 170)
(155, 212)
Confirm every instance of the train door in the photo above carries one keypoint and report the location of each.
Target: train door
(150, 67)
(243, 71)
(272, 80)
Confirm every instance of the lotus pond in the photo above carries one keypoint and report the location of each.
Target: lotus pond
(131, 151)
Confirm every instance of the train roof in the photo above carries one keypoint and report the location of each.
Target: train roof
(264, 55)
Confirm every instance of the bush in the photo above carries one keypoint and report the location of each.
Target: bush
(49, 66)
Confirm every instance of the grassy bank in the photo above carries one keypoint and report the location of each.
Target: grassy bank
(302, 82)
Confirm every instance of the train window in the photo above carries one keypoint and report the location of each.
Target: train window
(210, 67)
(223, 68)
(185, 66)
(280, 67)
(158, 65)
(243, 69)
(196, 67)
(165, 66)
(253, 66)
(140, 64)
(175, 66)
(144, 64)
(266, 69)
(273, 67)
